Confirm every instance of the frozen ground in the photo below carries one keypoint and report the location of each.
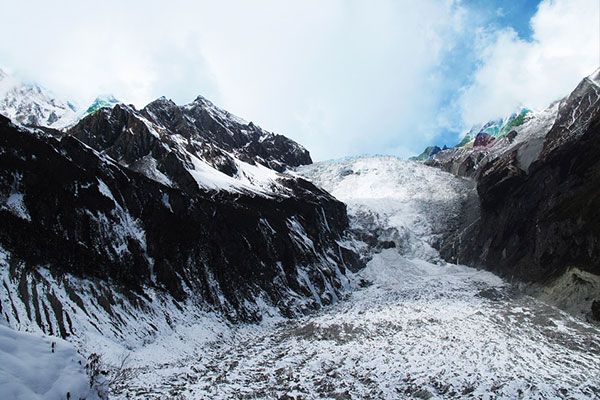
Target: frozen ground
(415, 327)
(419, 331)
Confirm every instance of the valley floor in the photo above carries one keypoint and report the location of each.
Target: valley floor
(420, 330)
(414, 327)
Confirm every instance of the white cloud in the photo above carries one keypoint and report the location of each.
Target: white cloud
(514, 72)
(341, 77)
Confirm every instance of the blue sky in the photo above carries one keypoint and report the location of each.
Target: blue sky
(460, 64)
(514, 13)
(342, 77)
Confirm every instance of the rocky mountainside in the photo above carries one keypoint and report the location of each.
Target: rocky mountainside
(536, 219)
(30, 104)
(182, 146)
(133, 222)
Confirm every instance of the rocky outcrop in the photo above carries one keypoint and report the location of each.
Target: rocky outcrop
(458, 161)
(483, 140)
(427, 153)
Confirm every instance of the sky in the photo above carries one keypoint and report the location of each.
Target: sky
(341, 77)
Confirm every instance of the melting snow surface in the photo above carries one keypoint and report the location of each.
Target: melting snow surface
(415, 327)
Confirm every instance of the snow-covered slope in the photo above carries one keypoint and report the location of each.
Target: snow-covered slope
(30, 104)
(39, 367)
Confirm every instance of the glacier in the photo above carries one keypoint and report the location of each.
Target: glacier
(413, 326)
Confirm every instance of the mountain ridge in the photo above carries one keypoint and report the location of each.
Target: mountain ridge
(188, 205)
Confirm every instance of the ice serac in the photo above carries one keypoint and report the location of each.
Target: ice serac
(132, 217)
(538, 220)
(30, 104)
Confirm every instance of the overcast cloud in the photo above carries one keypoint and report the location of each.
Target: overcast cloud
(341, 77)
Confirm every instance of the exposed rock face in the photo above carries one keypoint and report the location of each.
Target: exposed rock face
(596, 310)
(539, 201)
(153, 222)
(483, 140)
(458, 161)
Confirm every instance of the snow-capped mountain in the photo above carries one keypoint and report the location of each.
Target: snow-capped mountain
(153, 233)
(195, 145)
(30, 104)
(535, 217)
(135, 222)
(101, 102)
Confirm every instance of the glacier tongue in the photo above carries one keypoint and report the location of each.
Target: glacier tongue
(415, 327)
(398, 203)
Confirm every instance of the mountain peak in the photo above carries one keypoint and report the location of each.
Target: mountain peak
(203, 101)
(31, 104)
(106, 100)
(162, 100)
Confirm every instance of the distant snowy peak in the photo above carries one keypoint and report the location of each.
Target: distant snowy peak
(102, 102)
(570, 113)
(30, 104)
(197, 145)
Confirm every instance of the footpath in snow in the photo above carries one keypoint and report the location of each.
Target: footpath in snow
(414, 327)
